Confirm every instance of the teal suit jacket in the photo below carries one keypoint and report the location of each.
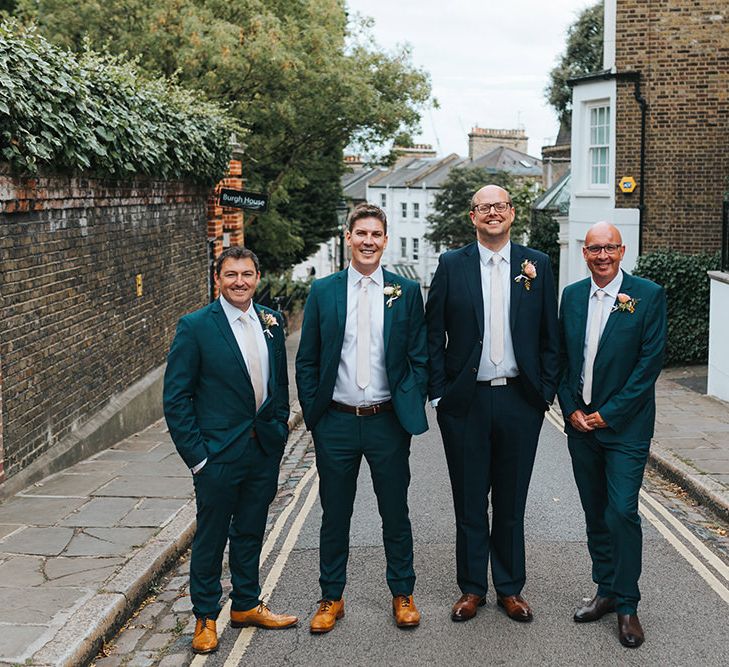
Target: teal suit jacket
(406, 357)
(209, 403)
(628, 362)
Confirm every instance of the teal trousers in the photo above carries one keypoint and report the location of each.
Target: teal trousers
(232, 504)
(341, 440)
(609, 477)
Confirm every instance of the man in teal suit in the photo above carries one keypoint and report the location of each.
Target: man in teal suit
(226, 402)
(613, 333)
(361, 372)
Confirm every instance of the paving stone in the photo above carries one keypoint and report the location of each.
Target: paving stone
(89, 466)
(141, 659)
(140, 443)
(703, 453)
(125, 643)
(38, 541)
(69, 485)
(30, 605)
(167, 622)
(115, 455)
(22, 572)
(109, 661)
(178, 582)
(168, 596)
(78, 571)
(183, 604)
(169, 467)
(15, 639)
(149, 613)
(157, 641)
(39, 511)
(141, 487)
(6, 530)
(176, 660)
(153, 512)
(714, 467)
(100, 512)
(107, 541)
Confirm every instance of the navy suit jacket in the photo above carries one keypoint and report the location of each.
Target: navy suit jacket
(209, 403)
(455, 317)
(320, 349)
(628, 361)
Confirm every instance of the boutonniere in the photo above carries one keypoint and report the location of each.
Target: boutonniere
(624, 303)
(528, 273)
(394, 291)
(268, 321)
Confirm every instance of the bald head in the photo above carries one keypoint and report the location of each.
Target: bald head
(603, 252)
(603, 230)
(490, 193)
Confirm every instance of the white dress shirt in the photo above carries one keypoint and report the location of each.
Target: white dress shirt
(487, 370)
(345, 388)
(233, 316)
(611, 294)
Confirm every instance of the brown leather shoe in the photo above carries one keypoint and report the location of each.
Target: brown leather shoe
(261, 617)
(205, 639)
(630, 630)
(594, 610)
(466, 606)
(516, 607)
(406, 613)
(326, 617)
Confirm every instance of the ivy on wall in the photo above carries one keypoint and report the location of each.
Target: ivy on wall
(687, 293)
(97, 114)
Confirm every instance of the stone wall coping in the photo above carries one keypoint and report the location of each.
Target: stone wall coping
(719, 276)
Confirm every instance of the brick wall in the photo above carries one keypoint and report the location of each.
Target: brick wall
(74, 332)
(681, 48)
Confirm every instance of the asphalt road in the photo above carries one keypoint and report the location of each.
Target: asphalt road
(686, 620)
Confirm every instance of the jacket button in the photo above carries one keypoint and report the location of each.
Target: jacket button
(474, 370)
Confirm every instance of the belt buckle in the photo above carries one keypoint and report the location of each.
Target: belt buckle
(498, 382)
(356, 410)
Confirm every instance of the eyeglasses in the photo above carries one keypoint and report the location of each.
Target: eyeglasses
(609, 248)
(499, 207)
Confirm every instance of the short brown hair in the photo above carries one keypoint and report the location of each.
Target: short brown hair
(236, 252)
(367, 211)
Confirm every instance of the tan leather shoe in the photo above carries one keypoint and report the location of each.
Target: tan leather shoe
(466, 606)
(261, 617)
(406, 613)
(516, 607)
(205, 639)
(326, 617)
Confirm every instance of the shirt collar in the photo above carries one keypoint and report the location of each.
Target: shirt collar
(611, 289)
(233, 313)
(486, 254)
(354, 276)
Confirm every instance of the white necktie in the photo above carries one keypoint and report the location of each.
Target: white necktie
(363, 334)
(497, 312)
(593, 339)
(253, 358)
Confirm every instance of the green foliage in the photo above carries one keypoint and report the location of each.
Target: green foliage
(687, 292)
(583, 55)
(544, 236)
(450, 224)
(303, 81)
(281, 292)
(98, 114)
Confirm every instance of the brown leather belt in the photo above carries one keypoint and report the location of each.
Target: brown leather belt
(363, 410)
(498, 382)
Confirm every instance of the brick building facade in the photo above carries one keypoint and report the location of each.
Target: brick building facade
(75, 332)
(681, 49)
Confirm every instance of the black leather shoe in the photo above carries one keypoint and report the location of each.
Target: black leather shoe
(630, 631)
(594, 610)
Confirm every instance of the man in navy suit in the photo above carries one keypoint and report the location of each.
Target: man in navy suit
(226, 402)
(494, 363)
(613, 332)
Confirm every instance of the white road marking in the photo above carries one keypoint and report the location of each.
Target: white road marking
(721, 568)
(266, 550)
(244, 638)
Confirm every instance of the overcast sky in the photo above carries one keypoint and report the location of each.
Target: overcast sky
(489, 61)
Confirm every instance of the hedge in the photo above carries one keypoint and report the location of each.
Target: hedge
(687, 292)
(98, 114)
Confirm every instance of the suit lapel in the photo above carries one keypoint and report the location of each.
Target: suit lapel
(340, 299)
(388, 278)
(580, 305)
(222, 323)
(271, 352)
(614, 315)
(472, 280)
(516, 286)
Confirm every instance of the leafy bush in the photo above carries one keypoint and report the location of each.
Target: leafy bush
(544, 236)
(687, 292)
(281, 292)
(97, 114)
